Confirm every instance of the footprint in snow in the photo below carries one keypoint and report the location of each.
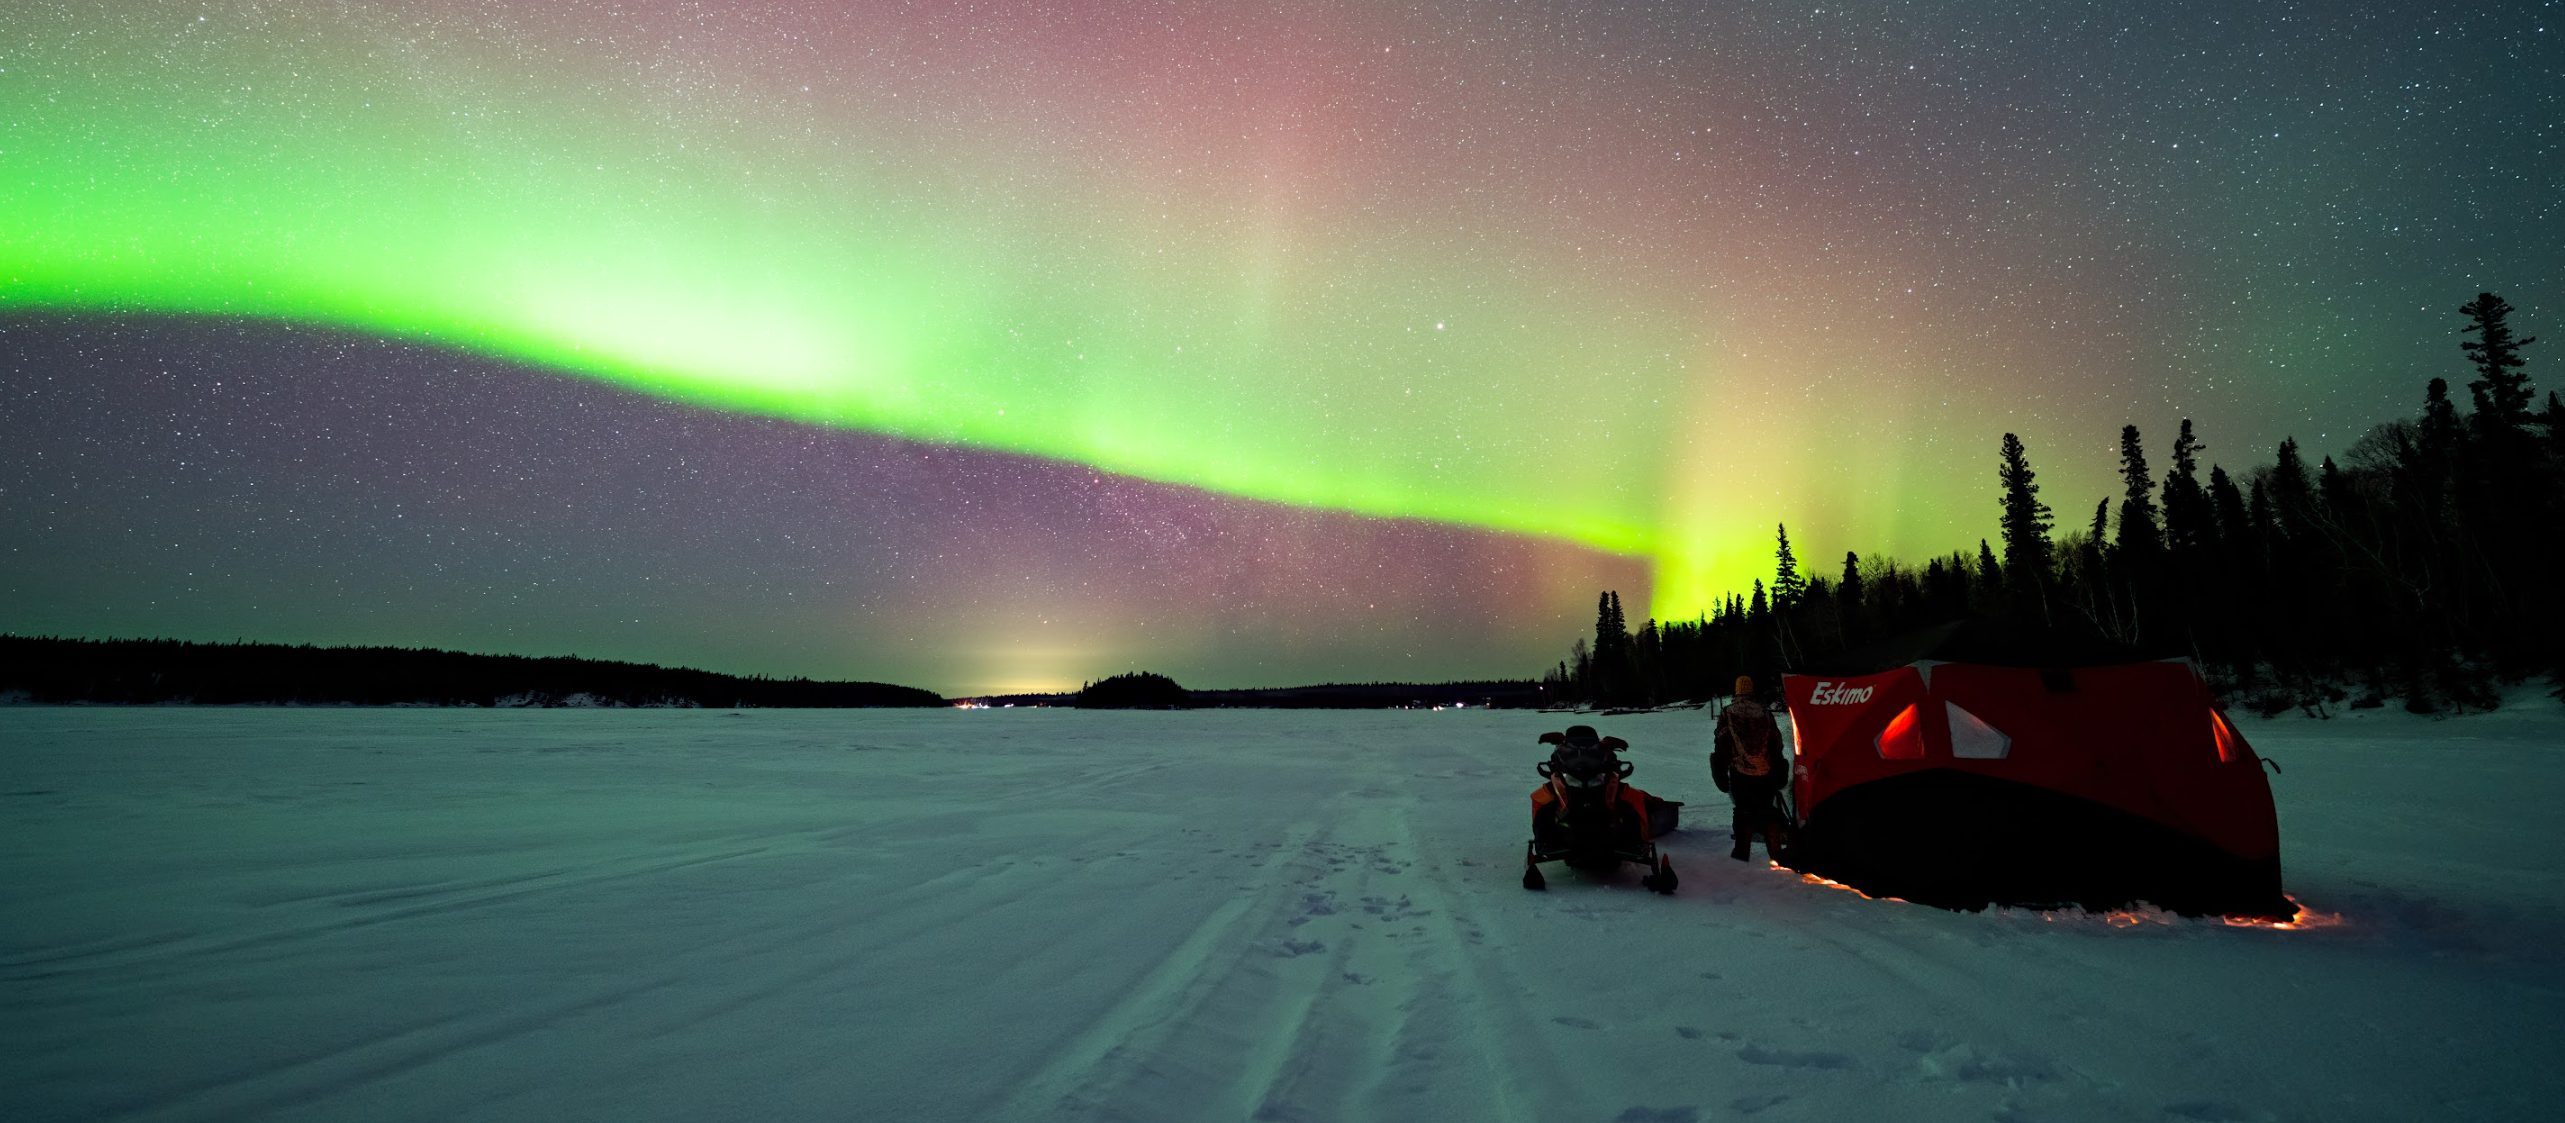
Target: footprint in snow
(1293, 949)
(2208, 1111)
(1998, 1068)
(1758, 1055)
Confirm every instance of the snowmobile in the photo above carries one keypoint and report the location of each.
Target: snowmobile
(1590, 818)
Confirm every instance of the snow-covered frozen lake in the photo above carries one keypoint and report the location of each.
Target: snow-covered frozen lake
(345, 914)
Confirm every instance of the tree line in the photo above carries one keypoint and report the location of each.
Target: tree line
(135, 671)
(2421, 567)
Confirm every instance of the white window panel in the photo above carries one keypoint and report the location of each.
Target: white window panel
(1973, 738)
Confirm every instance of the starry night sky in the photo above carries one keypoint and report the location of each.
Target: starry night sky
(1006, 346)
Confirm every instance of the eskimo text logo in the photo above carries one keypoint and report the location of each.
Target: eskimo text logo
(1838, 694)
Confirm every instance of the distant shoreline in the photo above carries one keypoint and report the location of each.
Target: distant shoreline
(44, 670)
(164, 672)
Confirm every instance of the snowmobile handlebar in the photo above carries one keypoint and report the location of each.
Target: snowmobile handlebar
(1613, 743)
(1621, 768)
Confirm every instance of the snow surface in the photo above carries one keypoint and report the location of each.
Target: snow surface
(361, 914)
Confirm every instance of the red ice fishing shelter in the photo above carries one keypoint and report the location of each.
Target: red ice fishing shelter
(1973, 765)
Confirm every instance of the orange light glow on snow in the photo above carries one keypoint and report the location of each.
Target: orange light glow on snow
(2307, 918)
(1813, 879)
(2117, 918)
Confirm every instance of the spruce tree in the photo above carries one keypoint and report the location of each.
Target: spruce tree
(2189, 526)
(2287, 507)
(2292, 500)
(2333, 491)
(2139, 538)
(2096, 561)
(2234, 586)
(1851, 614)
(1787, 585)
(2431, 468)
(2438, 435)
(2093, 593)
(2028, 555)
(2501, 388)
(1602, 677)
(2509, 500)
(2227, 506)
(1990, 581)
(1614, 666)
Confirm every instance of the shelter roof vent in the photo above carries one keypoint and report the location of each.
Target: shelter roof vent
(1904, 737)
(1972, 738)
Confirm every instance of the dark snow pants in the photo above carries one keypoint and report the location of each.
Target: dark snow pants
(1758, 811)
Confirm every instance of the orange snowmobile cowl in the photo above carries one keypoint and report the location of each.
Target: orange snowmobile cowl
(1547, 795)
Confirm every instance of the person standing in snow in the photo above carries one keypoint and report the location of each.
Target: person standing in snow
(1748, 762)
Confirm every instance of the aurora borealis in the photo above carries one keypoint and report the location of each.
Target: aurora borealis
(1478, 304)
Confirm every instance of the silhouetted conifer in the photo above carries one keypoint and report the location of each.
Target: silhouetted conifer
(2233, 586)
(1611, 667)
(2025, 525)
(2139, 537)
(2421, 560)
(2290, 497)
(2099, 593)
(2437, 437)
(2226, 505)
(1989, 590)
(1851, 615)
(2501, 387)
(2189, 526)
(1787, 585)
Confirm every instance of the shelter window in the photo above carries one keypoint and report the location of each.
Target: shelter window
(1904, 737)
(1971, 737)
(2230, 743)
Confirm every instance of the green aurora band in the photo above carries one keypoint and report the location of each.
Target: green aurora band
(1317, 272)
